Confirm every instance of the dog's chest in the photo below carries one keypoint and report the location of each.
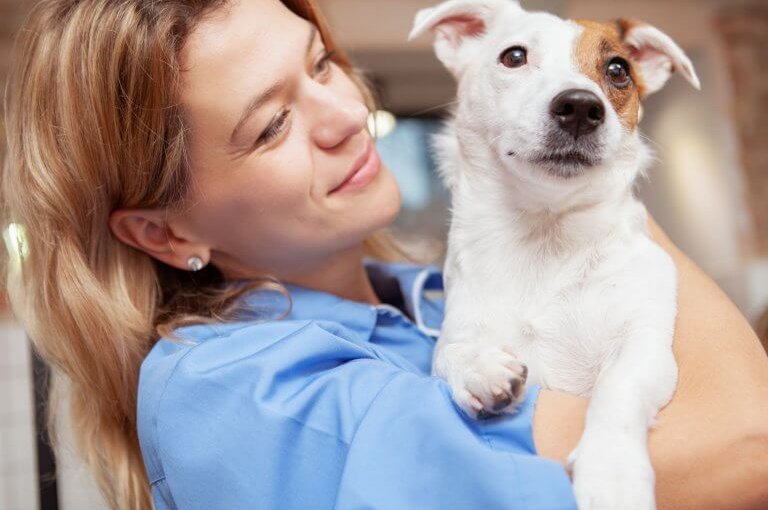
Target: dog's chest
(565, 337)
(563, 319)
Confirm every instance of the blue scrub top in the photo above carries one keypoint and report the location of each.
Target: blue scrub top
(332, 406)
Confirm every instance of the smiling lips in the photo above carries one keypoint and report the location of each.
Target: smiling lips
(363, 171)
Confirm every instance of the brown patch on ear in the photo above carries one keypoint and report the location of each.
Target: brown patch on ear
(623, 26)
(596, 46)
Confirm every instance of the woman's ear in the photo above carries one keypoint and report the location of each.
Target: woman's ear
(147, 230)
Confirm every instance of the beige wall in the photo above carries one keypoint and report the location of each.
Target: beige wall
(12, 13)
(18, 466)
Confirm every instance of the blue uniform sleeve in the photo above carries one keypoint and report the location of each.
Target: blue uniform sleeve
(297, 419)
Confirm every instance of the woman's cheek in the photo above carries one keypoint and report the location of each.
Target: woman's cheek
(280, 179)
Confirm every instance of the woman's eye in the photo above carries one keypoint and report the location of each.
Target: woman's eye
(516, 56)
(618, 72)
(324, 64)
(274, 129)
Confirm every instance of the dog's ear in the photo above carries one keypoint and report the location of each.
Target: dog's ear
(455, 23)
(656, 54)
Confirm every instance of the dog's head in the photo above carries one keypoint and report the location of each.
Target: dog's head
(550, 96)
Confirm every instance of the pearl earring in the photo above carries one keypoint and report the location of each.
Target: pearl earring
(195, 263)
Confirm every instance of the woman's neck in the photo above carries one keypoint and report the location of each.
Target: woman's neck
(344, 275)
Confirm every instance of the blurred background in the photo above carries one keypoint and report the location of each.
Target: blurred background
(708, 190)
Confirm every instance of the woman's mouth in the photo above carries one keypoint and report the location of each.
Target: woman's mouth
(362, 173)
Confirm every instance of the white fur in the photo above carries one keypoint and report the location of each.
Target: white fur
(557, 268)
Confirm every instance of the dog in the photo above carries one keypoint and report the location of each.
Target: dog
(551, 275)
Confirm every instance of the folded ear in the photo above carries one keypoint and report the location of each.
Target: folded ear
(656, 55)
(456, 22)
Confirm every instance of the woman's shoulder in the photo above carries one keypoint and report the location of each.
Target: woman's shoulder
(286, 372)
(204, 348)
(265, 360)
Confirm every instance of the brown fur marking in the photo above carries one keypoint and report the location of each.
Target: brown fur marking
(597, 45)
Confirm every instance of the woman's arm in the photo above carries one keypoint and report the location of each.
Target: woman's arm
(710, 448)
(300, 414)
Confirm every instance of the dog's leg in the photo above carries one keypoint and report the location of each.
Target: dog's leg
(481, 368)
(611, 465)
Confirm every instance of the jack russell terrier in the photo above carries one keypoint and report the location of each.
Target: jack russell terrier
(551, 275)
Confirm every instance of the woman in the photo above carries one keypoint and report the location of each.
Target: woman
(180, 170)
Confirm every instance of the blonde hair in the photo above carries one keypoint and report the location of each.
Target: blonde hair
(93, 124)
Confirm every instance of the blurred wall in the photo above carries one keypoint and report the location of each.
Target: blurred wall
(12, 13)
(18, 461)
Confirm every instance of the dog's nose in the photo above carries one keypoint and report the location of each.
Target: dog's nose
(579, 112)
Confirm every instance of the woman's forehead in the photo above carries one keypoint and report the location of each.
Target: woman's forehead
(240, 27)
(226, 45)
(238, 50)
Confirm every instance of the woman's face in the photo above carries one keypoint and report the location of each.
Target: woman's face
(284, 170)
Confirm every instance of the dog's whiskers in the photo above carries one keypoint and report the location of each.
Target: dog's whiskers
(496, 139)
(436, 107)
(655, 145)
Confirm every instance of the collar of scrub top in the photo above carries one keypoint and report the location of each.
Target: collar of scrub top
(420, 290)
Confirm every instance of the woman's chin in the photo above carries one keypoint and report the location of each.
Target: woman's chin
(377, 210)
(387, 199)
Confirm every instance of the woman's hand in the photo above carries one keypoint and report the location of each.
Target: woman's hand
(710, 445)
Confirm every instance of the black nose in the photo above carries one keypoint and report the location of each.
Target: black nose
(579, 112)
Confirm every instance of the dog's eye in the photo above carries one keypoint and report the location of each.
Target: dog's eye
(516, 56)
(618, 72)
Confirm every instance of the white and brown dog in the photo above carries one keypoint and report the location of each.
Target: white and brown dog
(550, 265)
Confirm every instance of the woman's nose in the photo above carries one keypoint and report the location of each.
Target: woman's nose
(337, 116)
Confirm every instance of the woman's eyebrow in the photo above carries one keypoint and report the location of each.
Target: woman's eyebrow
(268, 94)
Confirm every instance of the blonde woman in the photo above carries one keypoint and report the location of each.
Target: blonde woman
(198, 191)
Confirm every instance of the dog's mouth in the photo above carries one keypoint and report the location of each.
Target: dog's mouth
(573, 158)
(565, 164)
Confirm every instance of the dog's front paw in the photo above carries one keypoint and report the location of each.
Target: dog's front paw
(485, 379)
(610, 475)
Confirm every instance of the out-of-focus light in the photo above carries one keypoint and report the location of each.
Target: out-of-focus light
(16, 242)
(381, 123)
(405, 152)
